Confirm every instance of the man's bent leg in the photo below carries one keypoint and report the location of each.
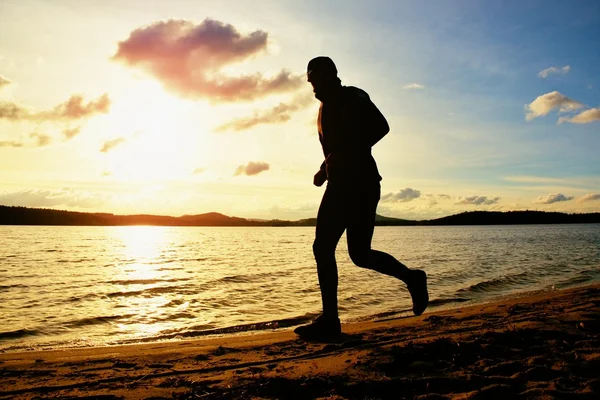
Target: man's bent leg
(361, 224)
(360, 233)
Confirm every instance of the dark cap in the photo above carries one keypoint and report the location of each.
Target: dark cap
(321, 64)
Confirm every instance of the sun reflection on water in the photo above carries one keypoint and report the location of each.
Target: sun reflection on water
(143, 267)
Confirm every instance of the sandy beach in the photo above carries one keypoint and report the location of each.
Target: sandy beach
(541, 346)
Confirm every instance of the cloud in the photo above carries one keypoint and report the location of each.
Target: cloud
(545, 103)
(403, 196)
(253, 168)
(47, 198)
(444, 196)
(477, 200)
(70, 133)
(198, 171)
(111, 144)
(4, 81)
(554, 70)
(11, 143)
(590, 197)
(72, 109)
(553, 198)
(189, 60)
(413, 86)
(280, 113)
(41, 139)
(585, 117)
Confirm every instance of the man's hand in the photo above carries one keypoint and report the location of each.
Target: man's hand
(320, 178)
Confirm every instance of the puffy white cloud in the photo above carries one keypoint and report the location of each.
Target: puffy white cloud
(590, 197)
(477, 200)
(554, 70)
(252, 168)
(553, 198)
(413, 86)
(545, 103)
(402, 196)
(585, 117)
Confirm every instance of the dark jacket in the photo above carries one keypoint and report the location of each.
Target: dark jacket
(348, 128)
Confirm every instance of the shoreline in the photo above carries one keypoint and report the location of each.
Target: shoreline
(274, 326)
(527, 346)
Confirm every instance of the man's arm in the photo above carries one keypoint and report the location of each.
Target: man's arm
(371, 121)
(377, 124)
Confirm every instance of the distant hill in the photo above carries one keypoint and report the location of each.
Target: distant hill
(10, 215)
(513, 218)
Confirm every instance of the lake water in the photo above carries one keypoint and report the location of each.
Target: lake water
(91, 286)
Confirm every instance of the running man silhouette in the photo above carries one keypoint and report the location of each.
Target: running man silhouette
(349, 124)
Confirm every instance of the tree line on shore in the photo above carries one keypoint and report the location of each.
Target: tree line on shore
(15, 215)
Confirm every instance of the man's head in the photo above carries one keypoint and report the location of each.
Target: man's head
(322, 75)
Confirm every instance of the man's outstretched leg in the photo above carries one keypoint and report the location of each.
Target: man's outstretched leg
(361, 224)
(330, 227)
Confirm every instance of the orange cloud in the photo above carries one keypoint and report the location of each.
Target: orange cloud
(41, 139)
(70, 133)
(72, 109)
(253, 168)
(4, 81)
(188, 58)
(111, 144)
(280, 113)
(11, 143)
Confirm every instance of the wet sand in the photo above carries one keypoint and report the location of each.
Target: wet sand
(542, 346)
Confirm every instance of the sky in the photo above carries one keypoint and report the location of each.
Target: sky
(186, 107)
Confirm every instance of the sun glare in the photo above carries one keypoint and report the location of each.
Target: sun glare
(158, 136)
(143, 242)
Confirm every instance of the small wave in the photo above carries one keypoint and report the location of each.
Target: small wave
(19, 333)
(143, 281)
(170, 269)
(205, 330)
(94, 320)
(158, 262)
(180, 315)
(497, 284)
(244, 278)
(74, 299)
(66, 261)
(148, 292)
(582, 277)
(8, 287)
(440, 302)
(172, 303)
